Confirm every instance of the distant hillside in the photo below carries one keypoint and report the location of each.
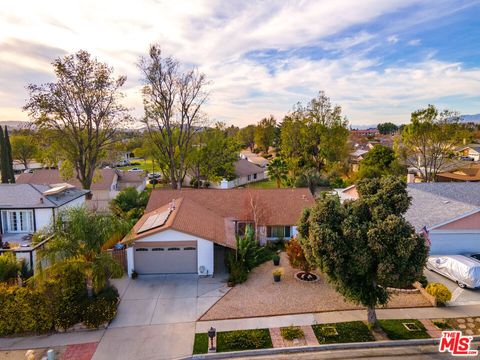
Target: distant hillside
(12, 124)
(470, 118)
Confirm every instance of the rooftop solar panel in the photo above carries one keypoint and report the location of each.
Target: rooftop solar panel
(154, 221)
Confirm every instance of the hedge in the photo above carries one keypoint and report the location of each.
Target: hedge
(59, 303)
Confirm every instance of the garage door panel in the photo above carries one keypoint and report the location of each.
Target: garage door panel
(165, 258)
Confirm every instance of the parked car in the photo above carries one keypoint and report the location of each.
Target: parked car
(135, 169)
(475, 256)
(464, 270)
(154, 175)
(466, 158)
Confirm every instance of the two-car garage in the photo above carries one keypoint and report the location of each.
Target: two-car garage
(167, 257)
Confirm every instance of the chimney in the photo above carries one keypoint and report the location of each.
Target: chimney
(41, 200)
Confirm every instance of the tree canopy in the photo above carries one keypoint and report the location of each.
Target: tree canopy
(81, 110)
(24, 149)
(365, 246)
(379, 161)
(387, 128)
(265, 133)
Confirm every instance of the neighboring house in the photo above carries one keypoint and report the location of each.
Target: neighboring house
(245, 173)
(27, 208)
(184, 231)
(469, 172)
(19, 167)
(104, 188)
(349, 193)
(365, 132)
(254, 158)
(472, 150)
(355, 158)
(448, 211)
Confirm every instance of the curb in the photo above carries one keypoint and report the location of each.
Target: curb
(326, 347)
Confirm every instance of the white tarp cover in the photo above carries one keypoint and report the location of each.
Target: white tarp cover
(458, 267)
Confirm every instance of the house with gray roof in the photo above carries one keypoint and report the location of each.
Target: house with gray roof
(448, 211)
(27, 208)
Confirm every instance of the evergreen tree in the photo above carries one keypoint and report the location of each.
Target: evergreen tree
(9, 159)
(3, 159)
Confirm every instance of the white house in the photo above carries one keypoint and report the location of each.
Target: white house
(182, 231)
(26, 209)
(245, 172)
(105, 187)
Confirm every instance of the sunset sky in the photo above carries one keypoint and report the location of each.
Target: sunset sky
(379, 60)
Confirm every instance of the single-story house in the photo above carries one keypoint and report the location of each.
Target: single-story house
(254, 158)
(245, 172)
(27, 208)
(448, 211)
(183, 231)
(472, 150)
(355, 157)
(469, 172)
(105, 187)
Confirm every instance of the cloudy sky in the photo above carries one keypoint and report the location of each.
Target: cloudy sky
(379, 59)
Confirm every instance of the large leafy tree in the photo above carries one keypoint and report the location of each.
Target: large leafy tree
(379, 161)
(81, 110)
(214, 154)
(129, 204)
(365, 246)
(264, 135)
(278, 171)
(246, 136)
(387, 128)
(428, 141)
(172, 100)
(24, 149)
(80, 238)
(314, 136)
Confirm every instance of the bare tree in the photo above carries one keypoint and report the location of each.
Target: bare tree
(172, 100)
(81, 110)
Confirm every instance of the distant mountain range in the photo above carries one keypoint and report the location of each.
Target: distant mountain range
(470, 118)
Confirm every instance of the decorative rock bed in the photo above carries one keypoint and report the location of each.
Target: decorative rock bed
(406, 291)
(306, 276)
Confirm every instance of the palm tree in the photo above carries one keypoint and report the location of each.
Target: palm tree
(278, 171)
(80, 238)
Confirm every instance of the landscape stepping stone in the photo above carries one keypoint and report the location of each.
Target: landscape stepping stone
(470, 320)
(460, 321)
(277, 340)
(462, 326)
(310, 337)
(469, 332)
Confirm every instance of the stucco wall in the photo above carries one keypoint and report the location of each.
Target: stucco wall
(454, 242)
(204, 247)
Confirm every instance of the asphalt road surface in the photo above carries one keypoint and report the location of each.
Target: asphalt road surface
(425, 352)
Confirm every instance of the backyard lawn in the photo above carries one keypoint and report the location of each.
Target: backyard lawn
(264, 184)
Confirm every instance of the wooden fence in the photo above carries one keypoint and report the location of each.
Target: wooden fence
(120, 255)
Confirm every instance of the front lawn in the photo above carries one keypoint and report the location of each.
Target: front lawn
(396, 330)
(345, 332)
(235, 341)
(263, 184)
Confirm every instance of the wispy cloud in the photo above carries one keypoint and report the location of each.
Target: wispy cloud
(262, 57)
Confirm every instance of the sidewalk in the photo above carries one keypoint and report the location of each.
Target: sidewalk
(46, 341)
(337, 316)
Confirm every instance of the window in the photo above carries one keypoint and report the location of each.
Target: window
(279, 232)
(189, 248)
(173, 249)
(19, 221)
(254, 176)
(141, 249)
(158, 249)
(242, 226)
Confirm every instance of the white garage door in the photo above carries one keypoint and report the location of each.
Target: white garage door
(177, 257)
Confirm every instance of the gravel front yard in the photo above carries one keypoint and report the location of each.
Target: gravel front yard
(260, 296)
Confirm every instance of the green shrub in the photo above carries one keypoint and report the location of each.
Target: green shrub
(423, 280)
(9, 267)
(292, 332)
(102, 308)
(23, 310)
(238, 273)
(440, 292)
(243, 340)
(442, 325)
(396, 330)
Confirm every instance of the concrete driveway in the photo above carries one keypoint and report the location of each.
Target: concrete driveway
(459, 296)
(157, 314)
